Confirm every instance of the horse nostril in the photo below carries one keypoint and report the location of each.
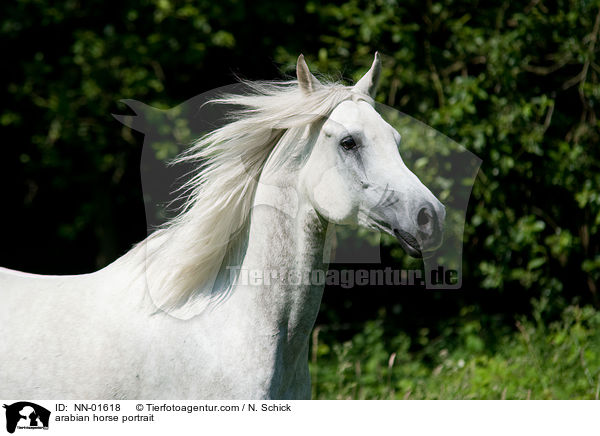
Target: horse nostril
(424, 217)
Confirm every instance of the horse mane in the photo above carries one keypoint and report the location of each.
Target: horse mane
(185, 258)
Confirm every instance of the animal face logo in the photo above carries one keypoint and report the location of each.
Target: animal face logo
(443, 166)
(25, 415)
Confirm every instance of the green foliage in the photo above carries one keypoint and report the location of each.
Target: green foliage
(532, 361)
(517, 83)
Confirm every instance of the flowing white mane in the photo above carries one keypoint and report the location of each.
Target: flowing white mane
(186, 257)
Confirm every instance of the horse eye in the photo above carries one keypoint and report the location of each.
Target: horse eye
(348, 143)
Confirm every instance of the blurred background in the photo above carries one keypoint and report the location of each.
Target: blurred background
(516, 83)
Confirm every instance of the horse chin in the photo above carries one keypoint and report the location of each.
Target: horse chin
(408, 243)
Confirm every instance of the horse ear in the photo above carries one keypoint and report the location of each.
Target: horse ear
(308, 83)
(369, 82)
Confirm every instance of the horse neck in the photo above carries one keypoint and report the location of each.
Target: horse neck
(286, 240)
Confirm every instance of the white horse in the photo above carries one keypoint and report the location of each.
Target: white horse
(171, 318)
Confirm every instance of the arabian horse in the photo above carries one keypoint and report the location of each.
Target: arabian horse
(171, 318)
